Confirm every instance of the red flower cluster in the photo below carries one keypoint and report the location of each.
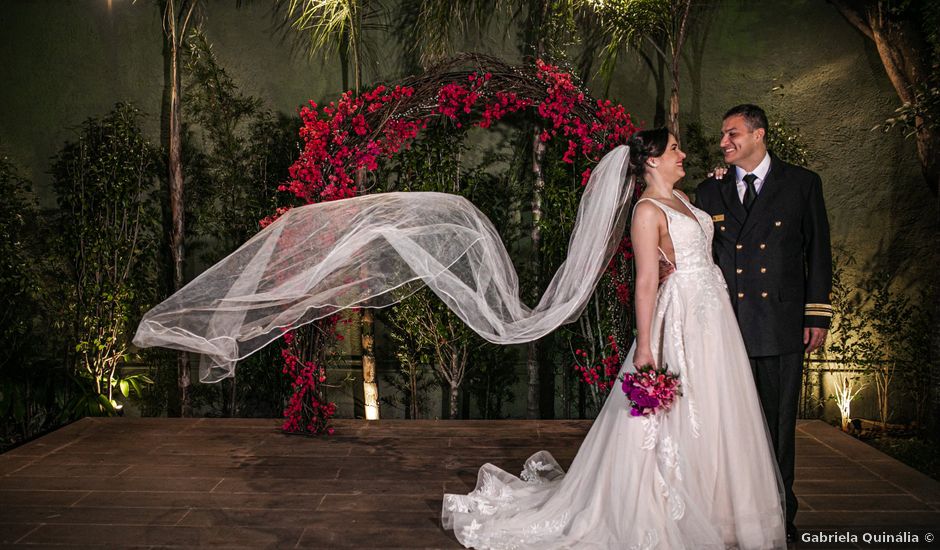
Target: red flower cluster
(506, 102)
(334, 149)
(454, 99)
(612, 127)
(307, 410)
(329, 161)
(600, 372)
(619, 270)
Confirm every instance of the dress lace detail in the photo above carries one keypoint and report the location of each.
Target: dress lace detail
(531, 472)
(700, 476)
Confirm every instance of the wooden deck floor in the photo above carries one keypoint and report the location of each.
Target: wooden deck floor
(241, 483)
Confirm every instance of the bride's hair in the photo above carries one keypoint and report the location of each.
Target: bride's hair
(646, 144)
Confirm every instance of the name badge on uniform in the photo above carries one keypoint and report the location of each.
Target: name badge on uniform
(718, 218)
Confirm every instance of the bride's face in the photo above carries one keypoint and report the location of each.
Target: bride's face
(669, 165)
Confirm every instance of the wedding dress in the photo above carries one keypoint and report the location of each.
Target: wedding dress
(699, 476)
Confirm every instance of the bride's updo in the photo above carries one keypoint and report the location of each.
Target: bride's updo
(646, 144)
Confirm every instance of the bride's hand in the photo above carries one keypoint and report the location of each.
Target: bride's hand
(718, 172)
(643, 357)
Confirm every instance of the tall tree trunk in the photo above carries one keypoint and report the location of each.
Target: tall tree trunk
(673, 122)
(454, 393)
(413, 389)
(683, 8)
(659, 115)
(352, 58)
(541, 11)
(370, 390)
(175, 167)
(698, 36)
(532, 351)
(344, 63)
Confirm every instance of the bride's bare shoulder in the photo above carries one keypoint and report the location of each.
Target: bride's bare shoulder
(646, 211)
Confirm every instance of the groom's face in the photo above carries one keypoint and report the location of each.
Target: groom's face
(739, 144)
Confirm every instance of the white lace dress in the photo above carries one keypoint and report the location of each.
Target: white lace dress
(701, 476)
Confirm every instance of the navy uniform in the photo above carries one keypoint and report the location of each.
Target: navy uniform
(777, 261)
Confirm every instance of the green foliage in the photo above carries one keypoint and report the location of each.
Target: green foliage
(923, 113)
(426, 334)
(491, 380)
(629, 24)
(703, 153)
(426, 29)
(879, 331)
(108, 234)
(244, 153)
(34, 385)
(340, 27)
(413, 380)
(18, 281)
(786, 142)
(604, 314)
(91, 401)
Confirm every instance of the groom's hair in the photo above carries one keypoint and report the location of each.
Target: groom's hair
(754, 116)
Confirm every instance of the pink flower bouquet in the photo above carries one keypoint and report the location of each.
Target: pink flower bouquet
(650, 389)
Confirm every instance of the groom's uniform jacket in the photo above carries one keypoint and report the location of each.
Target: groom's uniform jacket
(776, 258)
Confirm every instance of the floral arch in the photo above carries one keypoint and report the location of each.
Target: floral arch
(346, 140)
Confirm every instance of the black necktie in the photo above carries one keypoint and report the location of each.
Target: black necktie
(750, 193)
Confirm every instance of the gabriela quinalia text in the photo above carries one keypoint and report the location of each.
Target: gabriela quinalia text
(867, 538)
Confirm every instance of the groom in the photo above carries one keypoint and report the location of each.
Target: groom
(772, 245)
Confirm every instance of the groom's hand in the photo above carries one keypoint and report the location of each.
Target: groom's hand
(814, 337)
(665, 270)
(718, 172)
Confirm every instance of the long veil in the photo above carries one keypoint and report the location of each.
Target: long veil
(375, 250)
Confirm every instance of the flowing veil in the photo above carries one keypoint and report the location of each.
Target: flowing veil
(375, 250)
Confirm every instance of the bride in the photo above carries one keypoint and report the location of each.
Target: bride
(701, 475)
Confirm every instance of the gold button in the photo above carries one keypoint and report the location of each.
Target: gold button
(740, 295)
(763, 294)
(721, 227)
(763, 246)
(739, 271)
(778, 223)
(739, 246)
(763, 270)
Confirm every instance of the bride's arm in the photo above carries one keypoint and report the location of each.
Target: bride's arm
(644, 233)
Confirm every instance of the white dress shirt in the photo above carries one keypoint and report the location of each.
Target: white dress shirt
(760, 172)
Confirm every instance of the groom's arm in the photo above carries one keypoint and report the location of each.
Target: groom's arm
(818, 254)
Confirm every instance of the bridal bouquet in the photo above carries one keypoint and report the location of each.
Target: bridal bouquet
(650, 389)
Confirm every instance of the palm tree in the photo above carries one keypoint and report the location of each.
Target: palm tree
(425, 28)
(656, 29)
(339, 27)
